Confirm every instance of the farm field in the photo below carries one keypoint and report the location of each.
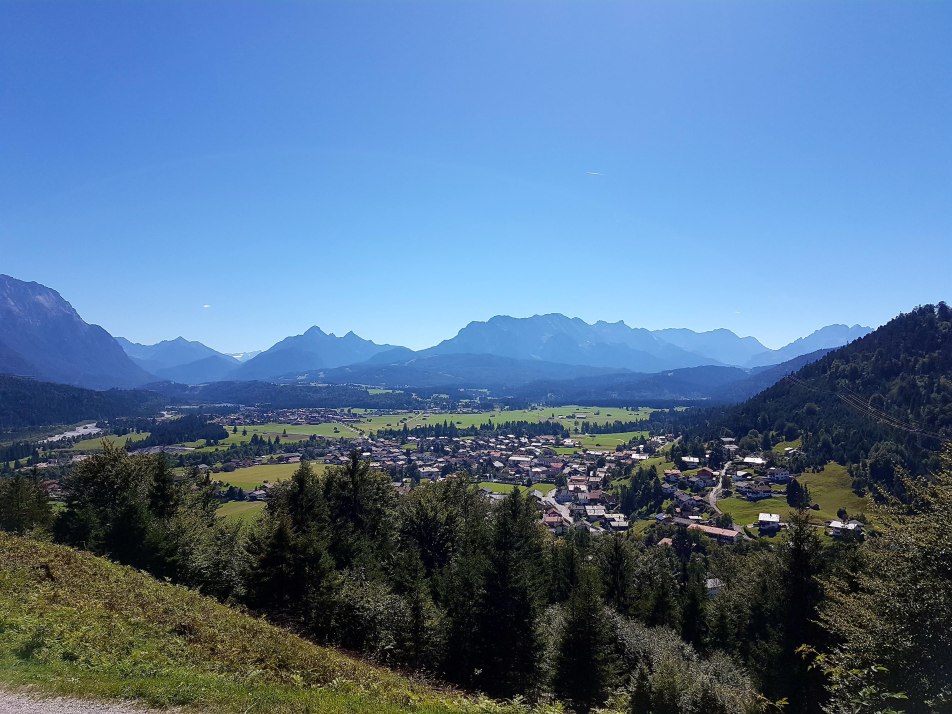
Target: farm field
(254, 476)
(599, 415)
(544, 488)
(295, 432)
(396, 420)
(244, 511)
(95, 443)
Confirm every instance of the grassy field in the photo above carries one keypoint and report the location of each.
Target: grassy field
(597, 415)
(830, 489)
(254, 476)
(605, 442)
(795, 444)
(745, 512)
(544, 488)
(295, 432)
(244, 511)
(95, 444)
(74, 624)
(376, 422)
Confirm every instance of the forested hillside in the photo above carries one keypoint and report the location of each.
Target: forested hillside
(27, 402)
(879, 403)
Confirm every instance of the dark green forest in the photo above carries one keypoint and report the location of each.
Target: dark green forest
(26, 402)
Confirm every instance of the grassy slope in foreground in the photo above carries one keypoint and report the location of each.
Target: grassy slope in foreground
(72, 623)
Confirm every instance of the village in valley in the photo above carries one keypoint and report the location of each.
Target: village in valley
(575, 482)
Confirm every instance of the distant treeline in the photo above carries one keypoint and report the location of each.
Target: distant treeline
(16, 451)
(26, 402)
(191, 427)
(450, 430)
(289, 396)
(613, 427)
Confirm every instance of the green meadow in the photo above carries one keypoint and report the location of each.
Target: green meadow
(606, 442)
(564, 415)
(745, 512)
(95, 443)
(244, 511)
(254, 476)
(830, 489)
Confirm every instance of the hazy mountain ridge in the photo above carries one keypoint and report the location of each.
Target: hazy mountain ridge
(829, 337)
(315, 349)
(181, 360)
(560, 339)
(42, 336)
(170, 353)
(456, 370)
(557, 338)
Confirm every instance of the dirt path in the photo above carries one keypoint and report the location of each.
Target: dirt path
(26, 704)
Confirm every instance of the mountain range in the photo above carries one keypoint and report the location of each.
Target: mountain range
(42, 336)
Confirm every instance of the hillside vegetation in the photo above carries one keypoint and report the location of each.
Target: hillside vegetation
(881, 403)
(74, 623)
(28, 402)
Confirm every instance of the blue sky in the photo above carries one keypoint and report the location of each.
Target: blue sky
(400, 169)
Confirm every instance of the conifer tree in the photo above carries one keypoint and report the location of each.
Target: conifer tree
(24, 505)
(509, 644)
(585, 662)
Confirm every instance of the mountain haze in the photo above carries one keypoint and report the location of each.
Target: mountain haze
(313, 350)
(44, 337)
(721, 344)
(560, 339)
(181, 360)
(557, 338)
(453, 370)
(826, 338)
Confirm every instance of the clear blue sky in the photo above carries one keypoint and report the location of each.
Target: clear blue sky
(399, 169)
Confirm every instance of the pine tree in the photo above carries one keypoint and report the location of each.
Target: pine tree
(293, 572)
(585, 663)
(509, 644)
(890, 620)
(24, 505)
(693, 609)
(618, 567)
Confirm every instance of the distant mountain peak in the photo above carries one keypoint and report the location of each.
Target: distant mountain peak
(41, 335)
(314, 350)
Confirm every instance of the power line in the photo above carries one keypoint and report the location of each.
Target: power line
(857, 402)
